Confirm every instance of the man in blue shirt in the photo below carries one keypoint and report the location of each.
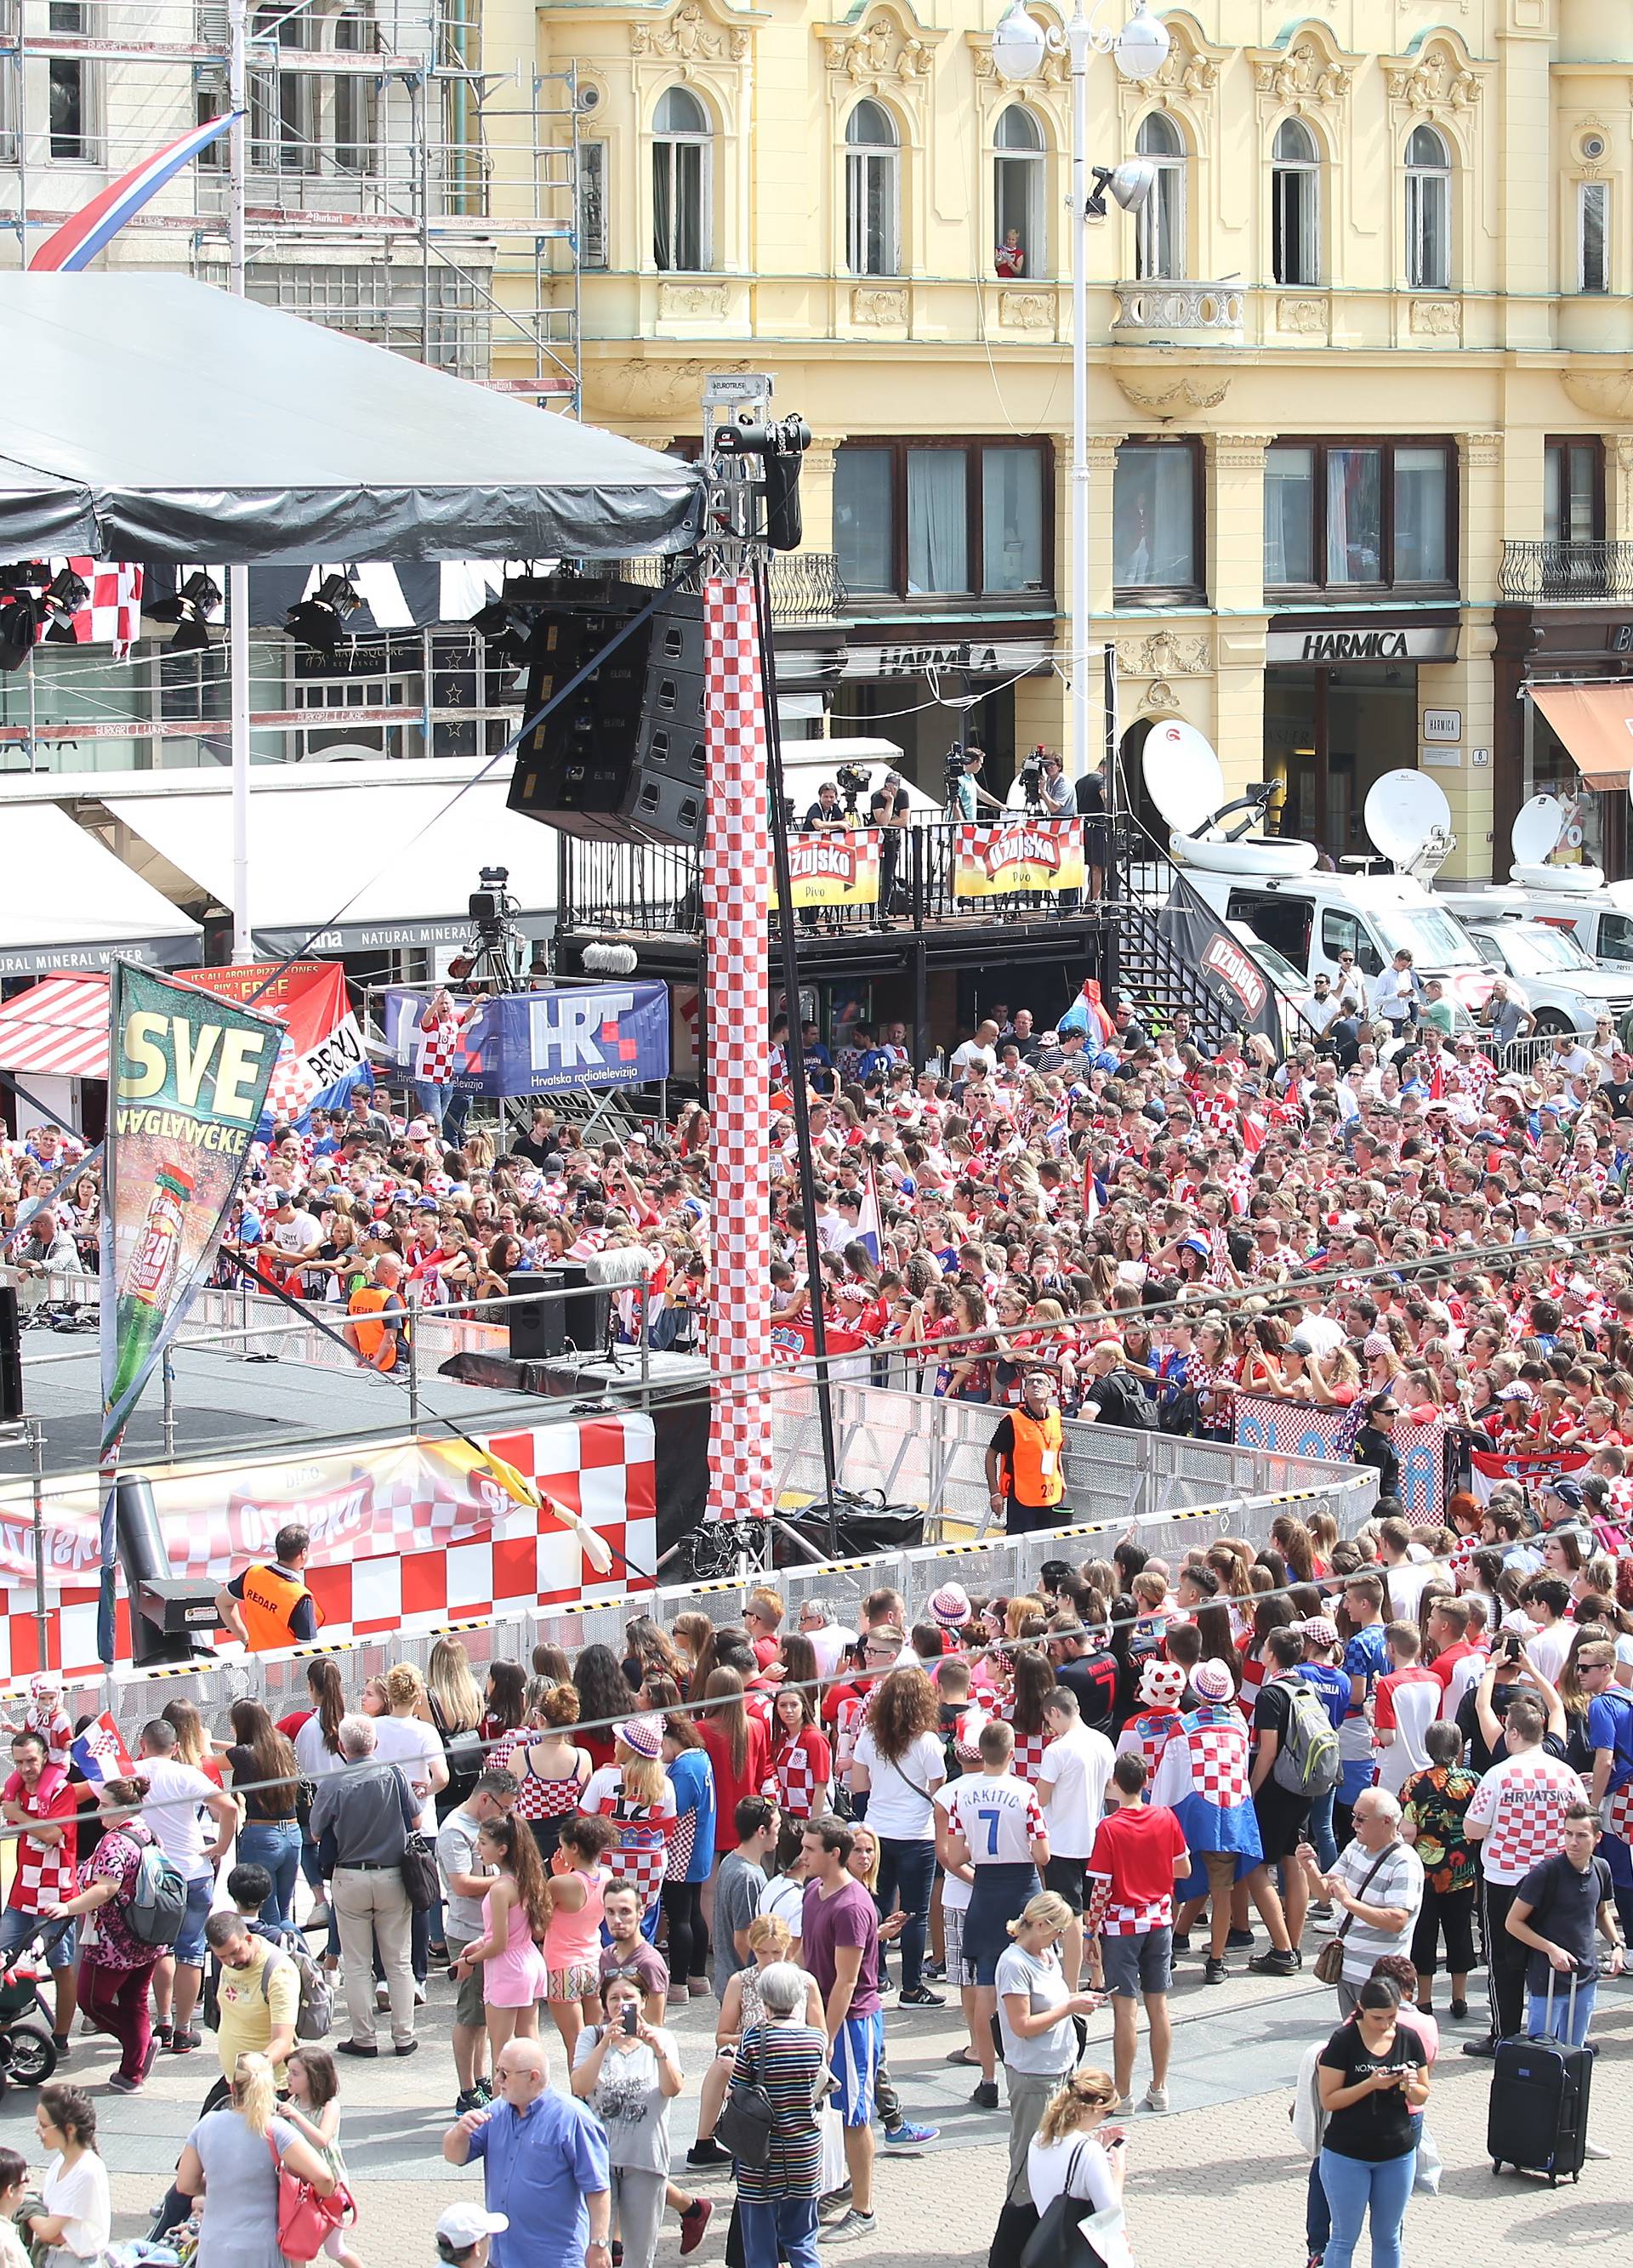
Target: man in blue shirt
(544, 2167)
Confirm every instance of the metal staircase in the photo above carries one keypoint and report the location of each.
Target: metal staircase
(1148, 967)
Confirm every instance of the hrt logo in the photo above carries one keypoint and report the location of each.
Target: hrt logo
(563, 1028)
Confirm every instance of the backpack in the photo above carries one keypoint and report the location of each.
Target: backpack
(1306, 1759)
(315, 2013)
(157, 1905)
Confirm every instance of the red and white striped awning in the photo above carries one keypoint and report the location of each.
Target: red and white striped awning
(57, 1029)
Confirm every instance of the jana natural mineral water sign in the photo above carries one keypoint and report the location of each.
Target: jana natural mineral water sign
(189, 1076)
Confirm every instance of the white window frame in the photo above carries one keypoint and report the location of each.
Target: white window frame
(1034, 161)
(1307, 170)
(1429, 191)
(666, 147)
(1590, 194)
(1168, 202)
(863, 162)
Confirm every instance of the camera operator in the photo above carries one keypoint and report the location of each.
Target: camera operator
(826, 813)
(1090, 795)
(889, 810)
(964, 792)
(1055, 792)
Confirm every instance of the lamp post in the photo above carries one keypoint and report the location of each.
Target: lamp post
(1020, 44)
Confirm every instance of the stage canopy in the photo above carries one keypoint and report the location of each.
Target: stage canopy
(153, 417)
(66, 903)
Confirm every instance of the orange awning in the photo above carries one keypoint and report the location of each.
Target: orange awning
(1595, 722)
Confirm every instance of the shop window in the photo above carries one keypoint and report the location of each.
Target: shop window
(1593, 236)
(1160, 223)
(916, 519)
(1018, 194)
(1573, 492)
(1365, 515)
(682, 148)
(1296, 205)
(1427, 210)
(1156, 522)
(872, 192)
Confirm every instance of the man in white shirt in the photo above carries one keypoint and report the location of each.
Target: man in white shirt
(1407, 1568)
(831, 1641)
(176, 1792)
(1546, 1600)
(1071, 1786)
(982, 1050)
(994, 1837)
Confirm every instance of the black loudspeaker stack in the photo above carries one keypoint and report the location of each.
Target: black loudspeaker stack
(545, 1330)
(11, 1357)
(622, 761)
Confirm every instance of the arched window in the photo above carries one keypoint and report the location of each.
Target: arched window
(1018, 194)
(1159, 224)
(681, 148)
(1296, 205)
(872, 192)
(354, 130)
(1428, 211)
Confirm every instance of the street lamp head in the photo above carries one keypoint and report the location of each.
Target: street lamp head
(1019, 45)
(1141, 48)
(1131, 183)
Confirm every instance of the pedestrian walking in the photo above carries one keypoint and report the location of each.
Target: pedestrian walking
(543, 2158)
(361, 1819)
(515, 1917)
(1038, 2011)
(1377, 1884)
(786, 2057)
(115, 1972)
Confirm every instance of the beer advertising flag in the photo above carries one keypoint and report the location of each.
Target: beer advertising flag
(1011, 855)
(188, 1077)
(833, 867)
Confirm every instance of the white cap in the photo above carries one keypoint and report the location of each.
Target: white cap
(465, 2225)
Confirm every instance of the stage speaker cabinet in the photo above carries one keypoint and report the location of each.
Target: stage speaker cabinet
(535, 1330)
(623, 760)
(11, 1357)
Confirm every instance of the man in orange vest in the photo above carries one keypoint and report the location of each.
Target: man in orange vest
(381, 1321)
(1024, 1460)
(270, 1606)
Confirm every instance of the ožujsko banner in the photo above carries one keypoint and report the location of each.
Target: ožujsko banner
(1009, 855)
(533, 1043)
(189, 1076)
(830, 867)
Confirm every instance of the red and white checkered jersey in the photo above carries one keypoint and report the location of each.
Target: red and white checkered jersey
(801, 1767)
(439, 1044)
(1522, 1803)
(45, 1871)
(999, 1817)
(641, 1852)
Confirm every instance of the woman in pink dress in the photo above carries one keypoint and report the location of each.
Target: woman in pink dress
(515, 1915)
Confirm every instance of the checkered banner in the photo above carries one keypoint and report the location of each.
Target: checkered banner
(737, 898)
(1018, 854)
(827, 866)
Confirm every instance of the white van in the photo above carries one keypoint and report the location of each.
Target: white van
(1564, 989)
(1601, 920)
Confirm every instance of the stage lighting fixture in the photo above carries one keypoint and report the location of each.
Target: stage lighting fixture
(64, 595)
(19, 626)
(317, 622)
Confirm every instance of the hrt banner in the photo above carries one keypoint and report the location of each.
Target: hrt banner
(1012, 855)
(533, 1043)
(827, 866)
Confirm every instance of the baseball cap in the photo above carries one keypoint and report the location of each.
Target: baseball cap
(1568, 1491)
(465, 2225)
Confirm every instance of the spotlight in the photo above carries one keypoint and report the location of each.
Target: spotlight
(317, 622)
(19, 627)
(64, 595)
(191, 637)
(1131, 183)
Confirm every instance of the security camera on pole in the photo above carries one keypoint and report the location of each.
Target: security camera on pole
(1140, 49)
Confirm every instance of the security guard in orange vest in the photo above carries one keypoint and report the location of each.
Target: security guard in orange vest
(379, 1329)
(270, 1606)
(1024, 1460)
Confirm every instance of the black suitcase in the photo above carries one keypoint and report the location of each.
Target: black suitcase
(1537, 2118)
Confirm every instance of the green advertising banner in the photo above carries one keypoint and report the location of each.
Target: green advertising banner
(188, 1075)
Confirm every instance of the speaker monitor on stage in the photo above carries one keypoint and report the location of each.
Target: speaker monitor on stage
(548, 1330)
(11, 1357)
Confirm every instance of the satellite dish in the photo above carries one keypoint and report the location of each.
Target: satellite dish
(1182, 776)
(1536, 831)
(1408, 818)
(1542, 826)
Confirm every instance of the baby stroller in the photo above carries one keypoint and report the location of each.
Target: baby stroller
(27, 2052)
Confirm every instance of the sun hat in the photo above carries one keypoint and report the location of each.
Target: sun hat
(643, 1734)
(1319, 1630)
(950, 1606)
(1213, 1682)
(1162, 1681)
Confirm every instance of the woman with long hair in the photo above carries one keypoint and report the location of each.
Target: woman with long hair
(692, 1848)
(515, 1917)
(404, 1737)
(899, 1764)
(1032, 1681)
(193, 1742)
(649, 1651)
(317, 1754)
(690, 1634)
(802, 1754)
(454, 1706)
(738, 1745)
(504, 1704)
(604, 1699)
(1074, 2153)
(1293, 1539)
(634, 1792)
(1372, 2076)
(73, 2228)
(551, 1769)
(238, 2154)
(265, 1780)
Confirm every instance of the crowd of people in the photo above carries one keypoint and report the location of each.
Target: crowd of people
(1017, 1810)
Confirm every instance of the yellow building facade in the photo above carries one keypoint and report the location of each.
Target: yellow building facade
(1361, 370)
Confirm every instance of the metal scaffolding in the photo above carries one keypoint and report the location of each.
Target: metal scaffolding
(398, 188)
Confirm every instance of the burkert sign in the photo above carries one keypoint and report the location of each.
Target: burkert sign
(1224, 964)
(534, 1043)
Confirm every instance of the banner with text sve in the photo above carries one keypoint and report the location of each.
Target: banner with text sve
(531, 1043)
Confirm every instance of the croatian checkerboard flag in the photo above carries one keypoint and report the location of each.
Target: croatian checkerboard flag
(100, 1752)
(78, 240)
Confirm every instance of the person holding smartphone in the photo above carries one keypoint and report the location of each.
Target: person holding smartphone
(1074, 2153)
(627, 2071)
(1373, 2074)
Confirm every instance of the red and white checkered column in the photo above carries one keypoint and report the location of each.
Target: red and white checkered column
(736, 905)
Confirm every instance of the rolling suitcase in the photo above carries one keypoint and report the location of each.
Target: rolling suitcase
(1537, 2118)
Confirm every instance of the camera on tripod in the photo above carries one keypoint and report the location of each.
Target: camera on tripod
(1031, 776)
(953, 764)
(493, 909)
(852, 785)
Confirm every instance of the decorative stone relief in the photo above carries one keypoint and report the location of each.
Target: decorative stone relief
(1241, 453)
(1301, 314)
(1304, 79)
(1438, 82)
(1166, 395)
(870, 305)
(688, 36)
(886, 51)
(1026, 311)
(1437, 318)
(1603, 394)
(644, 388)
(691, 300)
(1163, 655)
(1482, 453)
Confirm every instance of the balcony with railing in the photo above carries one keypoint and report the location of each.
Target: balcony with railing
(1159, 313)
(805, 586)
(1567, 574)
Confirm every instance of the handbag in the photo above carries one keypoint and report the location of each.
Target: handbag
(1329, 1962)
(1058, 2241)
(306, 2222)
(745, 2121)
(419, 1873)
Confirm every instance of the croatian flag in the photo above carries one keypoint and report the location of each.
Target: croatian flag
(867, 1225)
(100, 1752)
(78, 240)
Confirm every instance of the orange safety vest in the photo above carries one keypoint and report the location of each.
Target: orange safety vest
(373, 1341)
(1035, 1477)
(270, 1599)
